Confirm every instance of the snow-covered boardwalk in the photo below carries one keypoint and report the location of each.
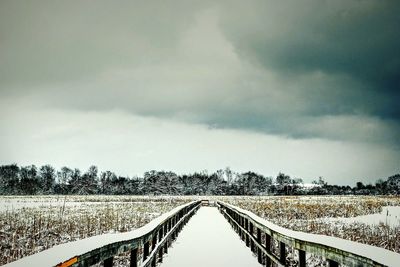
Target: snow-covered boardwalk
(209, 240)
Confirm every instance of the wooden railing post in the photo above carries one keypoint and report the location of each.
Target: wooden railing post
(259, 252)
(108, 262)
(302, 258)
(268, 249)
(251, 241)
(165, 228)
(166, 247)
(333, 263)
(154, 241)
(282, 253)
(173, 235)
(160, 255)
(146, 250)
(134, 258)
(160, 234)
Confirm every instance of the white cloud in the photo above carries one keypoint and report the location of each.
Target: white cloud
(130, 145)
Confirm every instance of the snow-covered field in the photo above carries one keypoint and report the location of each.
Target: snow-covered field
(34, 223)
(371, 220)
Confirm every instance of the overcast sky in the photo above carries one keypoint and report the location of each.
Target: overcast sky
(307, 87)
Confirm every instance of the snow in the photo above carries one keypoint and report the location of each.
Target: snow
(47, 202)
(390, 216)
(209, 240)
(12, 204)
(63, 252)
(380, 255)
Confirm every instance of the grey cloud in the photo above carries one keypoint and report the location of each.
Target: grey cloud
(73, 40)
(302, 69)
(355, 38)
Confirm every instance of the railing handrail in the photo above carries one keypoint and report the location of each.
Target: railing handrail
(60, 255)
(335, 248)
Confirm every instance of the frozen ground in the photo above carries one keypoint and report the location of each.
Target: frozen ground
(209, 240)
(30, 224)
(60, 253)
(389, 216)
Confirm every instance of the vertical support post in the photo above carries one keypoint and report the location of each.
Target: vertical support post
(251, 234)
(173, 235)
(160, 255)
(108, 262)
(302, 258)
(160, 234)
(267, 261)
(146, 250)
(134, 258)
(154, 241)
(259, 255)
(259, 252)
(333, 263)
(268, 242)
(166, 247)
(268, 249)
(283, 253)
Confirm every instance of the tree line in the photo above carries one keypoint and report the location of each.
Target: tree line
(31, 180)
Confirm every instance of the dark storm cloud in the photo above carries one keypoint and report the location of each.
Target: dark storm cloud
(358, 39)
(325, 69)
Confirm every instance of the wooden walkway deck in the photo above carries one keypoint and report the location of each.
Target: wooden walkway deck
(209, 240)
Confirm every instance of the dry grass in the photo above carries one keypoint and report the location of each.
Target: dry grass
(32, 224)
(48, 221)
(309, 214)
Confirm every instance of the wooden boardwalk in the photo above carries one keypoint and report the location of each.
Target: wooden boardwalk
(209, 240)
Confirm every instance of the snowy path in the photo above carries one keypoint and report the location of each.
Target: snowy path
(208, 240)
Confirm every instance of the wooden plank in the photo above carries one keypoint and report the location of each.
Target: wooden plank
(270, 256)
(134, 258)
(68, 262)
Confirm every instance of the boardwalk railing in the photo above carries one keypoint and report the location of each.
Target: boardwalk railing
(260, 235)
(146, 244)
